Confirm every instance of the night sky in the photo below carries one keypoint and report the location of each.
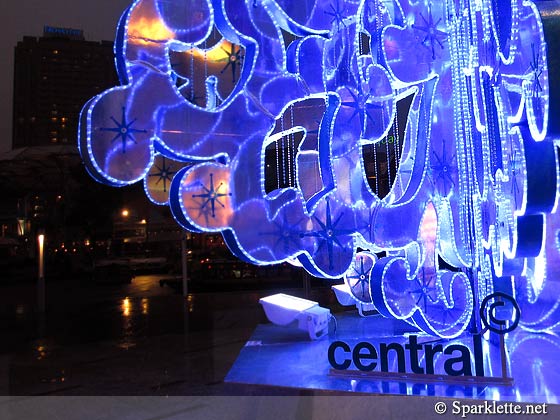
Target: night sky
(98, 19)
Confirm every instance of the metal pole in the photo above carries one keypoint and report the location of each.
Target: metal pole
(306, 284)
(184, 264)
(503, 356)
(185, 289)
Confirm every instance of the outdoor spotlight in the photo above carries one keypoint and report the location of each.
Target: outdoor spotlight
(345, 298)
(284, 310)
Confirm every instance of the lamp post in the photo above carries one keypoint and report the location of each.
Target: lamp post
(41, 271)
(185, 286)
(184, 264)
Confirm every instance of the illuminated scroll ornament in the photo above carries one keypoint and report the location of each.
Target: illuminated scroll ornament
(310, 129)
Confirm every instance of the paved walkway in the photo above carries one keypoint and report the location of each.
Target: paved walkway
(127, 339)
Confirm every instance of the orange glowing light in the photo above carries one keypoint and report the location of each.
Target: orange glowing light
(146, 31)
(216, 53)
(145, 306)
(126, 307)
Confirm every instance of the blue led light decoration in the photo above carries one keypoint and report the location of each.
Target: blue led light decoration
(414, 132)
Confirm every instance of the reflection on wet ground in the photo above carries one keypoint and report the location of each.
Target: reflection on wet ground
(128, 339)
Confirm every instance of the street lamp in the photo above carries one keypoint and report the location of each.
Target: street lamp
(41, 275)
(41, 241)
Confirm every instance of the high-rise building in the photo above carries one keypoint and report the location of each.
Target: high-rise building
(54, 76)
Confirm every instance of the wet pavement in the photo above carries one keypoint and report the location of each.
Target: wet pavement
(129, 339)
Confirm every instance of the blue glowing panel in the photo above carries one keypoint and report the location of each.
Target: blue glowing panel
(414, 132)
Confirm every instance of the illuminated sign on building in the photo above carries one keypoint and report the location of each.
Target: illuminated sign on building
(399, 144)
(53, 31)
